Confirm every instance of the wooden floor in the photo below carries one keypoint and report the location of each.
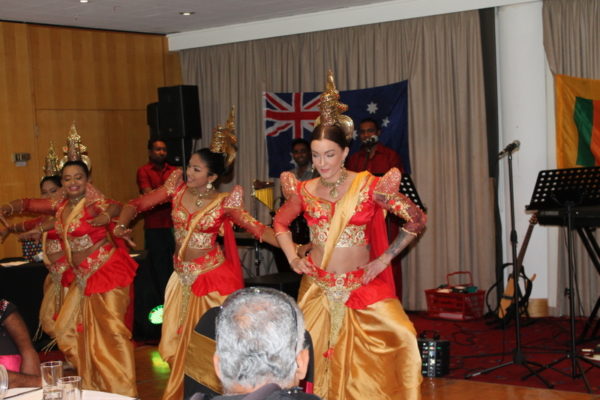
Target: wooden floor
(152, 374)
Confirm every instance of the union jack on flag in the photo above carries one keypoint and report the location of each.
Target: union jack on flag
(288, 116)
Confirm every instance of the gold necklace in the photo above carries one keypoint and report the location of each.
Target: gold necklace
(333, 192)
(200, 196)
(75, 200)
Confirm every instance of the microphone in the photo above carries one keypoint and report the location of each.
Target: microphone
(370, 141)
(512, 146)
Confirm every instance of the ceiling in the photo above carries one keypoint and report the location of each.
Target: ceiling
(161, 16)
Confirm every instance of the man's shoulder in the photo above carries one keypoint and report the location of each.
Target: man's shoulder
(144, 167)
(384, 149)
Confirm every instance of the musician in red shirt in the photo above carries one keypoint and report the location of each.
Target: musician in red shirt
(158, 226)
(373, 156)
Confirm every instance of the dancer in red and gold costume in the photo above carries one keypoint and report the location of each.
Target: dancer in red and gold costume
(204, 273)
(365, 345)
(90, 328)
(52, 252)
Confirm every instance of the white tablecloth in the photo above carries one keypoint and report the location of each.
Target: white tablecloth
(87, 395)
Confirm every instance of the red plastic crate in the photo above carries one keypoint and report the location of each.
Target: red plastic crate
(455, 306)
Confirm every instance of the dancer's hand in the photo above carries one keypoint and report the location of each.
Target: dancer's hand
(302, 266)
(121, 231)
(6, 210)
(373, 269)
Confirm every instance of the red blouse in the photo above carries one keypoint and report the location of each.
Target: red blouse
(208, 227)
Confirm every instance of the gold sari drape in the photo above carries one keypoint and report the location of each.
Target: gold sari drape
(376, 355)
(54, 294)
(173, 344)
(102, 350)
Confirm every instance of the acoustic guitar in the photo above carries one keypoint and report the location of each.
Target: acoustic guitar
(509, 289)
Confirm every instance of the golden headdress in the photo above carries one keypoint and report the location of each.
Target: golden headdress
(75, 150)
(51, 163)
(224, 140)
(332, 109)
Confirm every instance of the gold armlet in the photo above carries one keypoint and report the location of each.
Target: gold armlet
(410, 233)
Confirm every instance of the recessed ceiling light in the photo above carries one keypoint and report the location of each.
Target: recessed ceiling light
(187, 13)
(83, 1)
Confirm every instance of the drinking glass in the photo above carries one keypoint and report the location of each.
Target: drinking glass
(3, 381)
(51, 372)
(71, 387)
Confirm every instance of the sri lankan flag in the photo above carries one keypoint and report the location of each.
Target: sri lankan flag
(577, 122)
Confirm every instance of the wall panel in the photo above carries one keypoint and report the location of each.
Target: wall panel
(17, 123)
(51, 76)
(81, 69)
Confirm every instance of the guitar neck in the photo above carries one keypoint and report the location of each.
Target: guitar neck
(524, 245)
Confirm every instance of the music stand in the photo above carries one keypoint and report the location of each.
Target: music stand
(565, 189)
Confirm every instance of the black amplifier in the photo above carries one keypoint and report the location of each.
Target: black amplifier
(435, 354)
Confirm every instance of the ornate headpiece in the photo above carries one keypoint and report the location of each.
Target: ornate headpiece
(332, 109)
(51, 163)
(224, 140)
(75, 150)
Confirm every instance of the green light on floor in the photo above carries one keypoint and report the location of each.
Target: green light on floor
(155, 316)
(158, 364)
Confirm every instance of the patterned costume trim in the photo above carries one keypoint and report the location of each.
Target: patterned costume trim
(352, 235)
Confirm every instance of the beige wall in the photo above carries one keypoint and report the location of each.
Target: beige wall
(51, 76)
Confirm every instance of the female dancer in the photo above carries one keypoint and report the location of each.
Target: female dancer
(52, 252)
(204, 274)
(90, 328)
(365, 345)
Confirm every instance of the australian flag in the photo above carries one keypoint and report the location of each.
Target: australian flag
(291, 115)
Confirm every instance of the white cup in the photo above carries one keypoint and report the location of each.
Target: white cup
(71, 387)
(51, 372)
(3, 381)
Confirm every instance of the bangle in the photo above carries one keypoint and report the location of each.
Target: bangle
(12, 209)
(107, 215)
(298, 245)
(41, 228)
(121, 226)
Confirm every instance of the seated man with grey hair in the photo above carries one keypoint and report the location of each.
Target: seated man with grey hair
(261, 352)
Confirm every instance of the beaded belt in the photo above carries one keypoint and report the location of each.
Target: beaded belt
(337, 289)
(188, 272)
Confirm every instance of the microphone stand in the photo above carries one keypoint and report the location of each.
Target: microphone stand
(518, 356)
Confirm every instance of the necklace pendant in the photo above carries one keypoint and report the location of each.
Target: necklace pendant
(333, 193)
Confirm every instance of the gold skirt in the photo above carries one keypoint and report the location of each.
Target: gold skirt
(91, 333)
(54, 294)
(375, 355)
(176, 332)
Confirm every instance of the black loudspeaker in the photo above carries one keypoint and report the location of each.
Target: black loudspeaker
(178, 150)
(435, 354)
(179, 112)
(152, 119)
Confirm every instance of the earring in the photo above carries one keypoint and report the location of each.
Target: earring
(209, 186)
(312, 169)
